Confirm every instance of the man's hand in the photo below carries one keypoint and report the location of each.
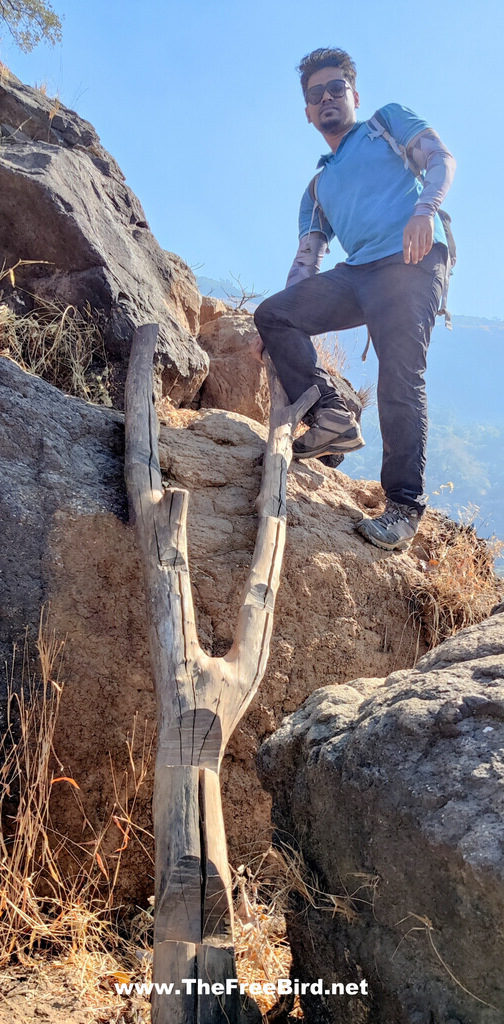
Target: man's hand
(418, 238)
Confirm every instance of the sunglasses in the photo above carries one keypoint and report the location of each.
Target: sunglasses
(336, 88)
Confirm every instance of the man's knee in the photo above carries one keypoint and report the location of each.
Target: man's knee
(259, 315)
(268, 314)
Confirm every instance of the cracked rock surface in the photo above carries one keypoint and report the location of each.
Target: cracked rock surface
(89, 240)
(395, 790)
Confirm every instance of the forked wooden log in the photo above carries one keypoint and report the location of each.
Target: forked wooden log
(200, 700)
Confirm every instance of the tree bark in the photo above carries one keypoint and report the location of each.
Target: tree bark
(200, 700)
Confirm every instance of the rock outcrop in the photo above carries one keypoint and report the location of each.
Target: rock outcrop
(343, 608)
(394, 790)
(236, 380)
(211, 308)
(64, 202)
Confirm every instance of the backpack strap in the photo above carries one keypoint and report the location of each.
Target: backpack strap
(313, 190)
(313, 187)
(379, 130)
(452, 248)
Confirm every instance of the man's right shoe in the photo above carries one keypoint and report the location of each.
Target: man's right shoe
(393, 530)
(334, 431)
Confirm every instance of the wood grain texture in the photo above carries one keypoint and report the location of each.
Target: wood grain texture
(199, 699)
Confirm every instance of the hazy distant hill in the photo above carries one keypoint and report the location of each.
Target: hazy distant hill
(466, 414)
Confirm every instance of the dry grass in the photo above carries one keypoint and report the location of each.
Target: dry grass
(261, 946)
(54, 918)
(331, 354)
(460, 585)
(333, 358)
(264, 896)
(62, 345)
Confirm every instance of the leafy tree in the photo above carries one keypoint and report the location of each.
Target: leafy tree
(30, 21)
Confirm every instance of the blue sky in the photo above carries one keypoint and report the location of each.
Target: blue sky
(200, 105)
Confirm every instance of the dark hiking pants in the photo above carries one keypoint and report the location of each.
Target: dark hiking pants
(398, 302)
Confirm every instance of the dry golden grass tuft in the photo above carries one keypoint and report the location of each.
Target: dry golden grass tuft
(262, 950)
(264, 889)
(333, 358)
(460, 585)
(25, 781)
(331, 354)
(60, 921)
(62, 345)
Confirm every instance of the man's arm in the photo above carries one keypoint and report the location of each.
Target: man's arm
(314, 234)
(313, 245)
(312, 249)
(427, 152)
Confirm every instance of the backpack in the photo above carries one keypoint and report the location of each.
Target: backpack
(379, 130)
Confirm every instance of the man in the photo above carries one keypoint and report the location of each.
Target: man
(392, 280)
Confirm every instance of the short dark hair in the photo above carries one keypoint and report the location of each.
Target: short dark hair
(326, 58)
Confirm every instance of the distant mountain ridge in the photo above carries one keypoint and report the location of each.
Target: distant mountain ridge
(479, 321)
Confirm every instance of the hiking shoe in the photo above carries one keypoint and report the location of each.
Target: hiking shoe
(333, 461)
(334, 431)
(394, 529)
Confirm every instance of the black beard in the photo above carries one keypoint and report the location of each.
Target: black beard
(331, 124)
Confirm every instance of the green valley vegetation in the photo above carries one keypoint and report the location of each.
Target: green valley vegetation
(30, 22)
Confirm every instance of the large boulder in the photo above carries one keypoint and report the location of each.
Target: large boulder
(236, 380)
(342, 611)
(394, 790)
(64, 202)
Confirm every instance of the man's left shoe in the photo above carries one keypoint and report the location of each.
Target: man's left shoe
(334, 431)
(394, 529)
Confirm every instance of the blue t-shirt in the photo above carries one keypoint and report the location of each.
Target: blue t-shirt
(366, 193)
